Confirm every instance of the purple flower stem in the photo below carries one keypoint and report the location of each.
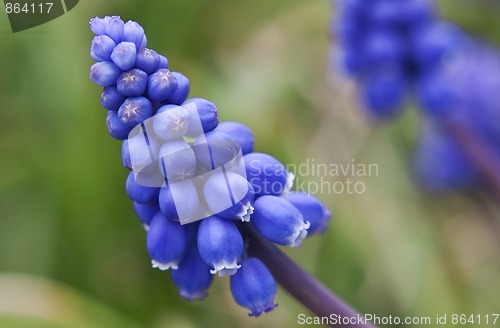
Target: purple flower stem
(298, 283)
(480, 155)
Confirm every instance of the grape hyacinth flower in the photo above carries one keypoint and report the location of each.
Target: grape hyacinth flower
(171, 122)
(134, 110)
(166, 242)
(207, 114)
(279, 221)
(124, 55)
(161, 85)
(220, 244)
(132, 83)
(115, 126)
(254, 287)
(401, 48)
(194, 182)
(139, 193)
(104, 73)
(102, 46)
(193, 277)
(312, 210)
(111, 99)
(147, 60)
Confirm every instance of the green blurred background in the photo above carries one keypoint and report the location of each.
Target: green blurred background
(72, 253)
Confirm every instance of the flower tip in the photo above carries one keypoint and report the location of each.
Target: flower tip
(258, 312)
(97, 25)
(164, 266)
(299, 235)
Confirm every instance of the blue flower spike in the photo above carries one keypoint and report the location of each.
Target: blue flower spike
(194, 182)
(386, 43)
(253, 287)
(397, 49)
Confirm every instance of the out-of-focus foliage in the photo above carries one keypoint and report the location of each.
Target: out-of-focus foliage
(65, 218)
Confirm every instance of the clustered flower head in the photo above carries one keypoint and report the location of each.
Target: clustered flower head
(194, 181)
(397, 49)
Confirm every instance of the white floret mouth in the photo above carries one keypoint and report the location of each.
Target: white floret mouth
(225, 268)
(299, 234)
(165, 266)
(246, 212)
(290, 178)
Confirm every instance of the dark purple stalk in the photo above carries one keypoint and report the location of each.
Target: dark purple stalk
(297, 282)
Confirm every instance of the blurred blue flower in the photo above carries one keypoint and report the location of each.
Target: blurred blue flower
(399, 48)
